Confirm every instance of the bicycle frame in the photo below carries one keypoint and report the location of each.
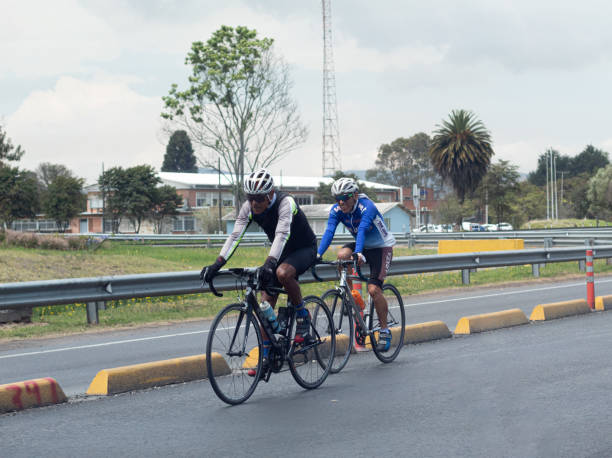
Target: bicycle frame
(344, 290)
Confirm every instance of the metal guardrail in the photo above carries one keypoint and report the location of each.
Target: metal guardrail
(550, 237)
(99, 289)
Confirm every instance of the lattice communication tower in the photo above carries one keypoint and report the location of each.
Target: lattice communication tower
(331, 138)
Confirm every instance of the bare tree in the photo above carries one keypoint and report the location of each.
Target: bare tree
(238, 106)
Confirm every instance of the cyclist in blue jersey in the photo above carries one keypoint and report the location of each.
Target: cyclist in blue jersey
(373, 243)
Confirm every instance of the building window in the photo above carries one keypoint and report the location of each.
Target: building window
(96, 202)
(202, 199)
(304, 200)
(183, 224)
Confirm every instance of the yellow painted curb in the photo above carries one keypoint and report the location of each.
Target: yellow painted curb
(30, 393)
(556, 310)
(424, 332)
(603, 303)
(158, 373)
(490, 321)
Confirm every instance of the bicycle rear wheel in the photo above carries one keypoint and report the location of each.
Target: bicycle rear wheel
(396, 321)
(233, 348)
(342, 317)
(310, 362)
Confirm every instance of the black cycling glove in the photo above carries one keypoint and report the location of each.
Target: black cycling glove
(208, 272)
(267, 271)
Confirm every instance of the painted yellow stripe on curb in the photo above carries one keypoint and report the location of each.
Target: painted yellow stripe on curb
(158, 373)
(490, 321)
(424, 332)
(603, 303)
(556, 310)
(30, 393)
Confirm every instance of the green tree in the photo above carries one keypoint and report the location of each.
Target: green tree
(403, 162)
(461, 152)
(589, 161)
(129, 193)
(46, 172)
(499, 189)
(18, 195)
(7, 151)
(64, 200)
(179, 155)
(237, 105)
(574, 192)
(530, 203)
(164, 205)
(323, 193)
(562, 163)
(112, 183)
(600, 194)
(140, 193)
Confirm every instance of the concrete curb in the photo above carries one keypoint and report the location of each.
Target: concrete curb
(158, 373)
(490, 321)
(425, 332)
(603, 303)
(30, 393)
(556, 310)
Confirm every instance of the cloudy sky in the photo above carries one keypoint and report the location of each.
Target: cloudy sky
(81, 81)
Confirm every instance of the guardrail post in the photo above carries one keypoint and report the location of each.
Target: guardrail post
(535, 270)
(92, 313)
(410, 241)
(465, 276)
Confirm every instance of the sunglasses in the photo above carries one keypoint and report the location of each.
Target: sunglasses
(259, 198)
(343, 197)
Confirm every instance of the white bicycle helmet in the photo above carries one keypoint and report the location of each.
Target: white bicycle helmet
(259, 182)
(344, 185)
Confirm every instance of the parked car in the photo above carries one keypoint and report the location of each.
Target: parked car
(475, 227)
(490, 227)
(504, 227)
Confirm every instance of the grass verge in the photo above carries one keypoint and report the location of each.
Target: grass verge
(19, 264)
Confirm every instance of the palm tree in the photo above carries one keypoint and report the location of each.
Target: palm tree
(461, 151)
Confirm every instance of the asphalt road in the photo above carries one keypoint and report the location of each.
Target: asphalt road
(539, 390)
(75, 360)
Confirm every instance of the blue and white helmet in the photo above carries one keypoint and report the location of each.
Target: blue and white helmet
(344, 185)
(259, 182)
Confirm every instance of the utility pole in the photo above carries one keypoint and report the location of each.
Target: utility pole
(331, 137)
(547, 199)
(219, 197)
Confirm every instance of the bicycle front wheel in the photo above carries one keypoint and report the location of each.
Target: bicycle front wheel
(396, 321)
(233, 350)
(342, 317)
(311, 361)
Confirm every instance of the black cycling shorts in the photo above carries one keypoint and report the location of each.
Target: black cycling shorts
(379, 260)
(301, 259)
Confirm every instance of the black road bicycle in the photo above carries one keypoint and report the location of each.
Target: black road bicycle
(234, 348)
(352, 324)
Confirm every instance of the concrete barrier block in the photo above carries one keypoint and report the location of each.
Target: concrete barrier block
(603, 303)
(478, 245)
(158, 373)
(556, 310)
(490, 321)
(424, 332)
(30, 393)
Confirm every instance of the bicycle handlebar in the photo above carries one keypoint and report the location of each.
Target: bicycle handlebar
(250, 273)
(339, 262)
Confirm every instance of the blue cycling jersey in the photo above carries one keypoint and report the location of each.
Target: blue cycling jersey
(364, 222)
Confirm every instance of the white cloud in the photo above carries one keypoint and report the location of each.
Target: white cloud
(82, 124)
(51, 38)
